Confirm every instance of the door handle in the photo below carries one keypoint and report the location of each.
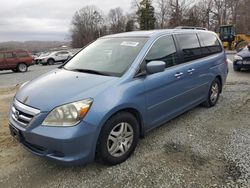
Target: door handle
(190, 71)
(178, 74)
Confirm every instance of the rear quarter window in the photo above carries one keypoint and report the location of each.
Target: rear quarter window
(190, 46)
(209, 44)
(1, 55)
(22, 54)
(9, 55)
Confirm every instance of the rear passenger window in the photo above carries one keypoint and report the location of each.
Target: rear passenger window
(163, 50)
(190, 46)
(9, 55)
(22, 54)
(209, 43)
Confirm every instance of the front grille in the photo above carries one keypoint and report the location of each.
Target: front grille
(23, 114)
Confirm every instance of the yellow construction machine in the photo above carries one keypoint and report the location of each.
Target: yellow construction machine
(231, 40)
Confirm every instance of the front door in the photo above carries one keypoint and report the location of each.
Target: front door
(166, 92)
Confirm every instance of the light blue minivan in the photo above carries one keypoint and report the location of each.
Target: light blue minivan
(100, 102)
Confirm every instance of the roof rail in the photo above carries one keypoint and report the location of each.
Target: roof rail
(191, 27)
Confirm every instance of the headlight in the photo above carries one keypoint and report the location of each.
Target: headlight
(237, 57)
(68, 114)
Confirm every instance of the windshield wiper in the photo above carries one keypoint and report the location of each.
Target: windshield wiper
(90, 71)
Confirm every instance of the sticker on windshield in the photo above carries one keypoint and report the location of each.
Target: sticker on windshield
(127, 43)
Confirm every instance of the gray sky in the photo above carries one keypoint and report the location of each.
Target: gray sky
(22, 20)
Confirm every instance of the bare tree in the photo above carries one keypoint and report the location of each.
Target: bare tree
(193, 17)
(162, 12)
(234, 6)
(86, 26)
(220, 12)
(178, 9)
(117, 20)
(205, 10)
(243, 17)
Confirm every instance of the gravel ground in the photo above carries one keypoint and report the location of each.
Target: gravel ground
(201, 148)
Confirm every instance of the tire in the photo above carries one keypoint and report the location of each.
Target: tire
(118, 138)
(213, 94)
(50, 62)
(14, 70)
(22, 67)
(237, 69)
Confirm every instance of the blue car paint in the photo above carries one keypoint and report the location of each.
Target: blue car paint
(157, 98)
(245, 54)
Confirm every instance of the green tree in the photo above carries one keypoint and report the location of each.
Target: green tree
(145, 13)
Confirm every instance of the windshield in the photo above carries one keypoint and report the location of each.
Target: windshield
(110, 56)
(44, 54)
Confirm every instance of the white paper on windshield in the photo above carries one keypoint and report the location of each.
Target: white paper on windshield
(127, 43)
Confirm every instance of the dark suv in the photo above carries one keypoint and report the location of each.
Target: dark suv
(17, 61)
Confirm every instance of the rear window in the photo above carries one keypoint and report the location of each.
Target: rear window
(190, 46)
(64, 53)
(22, 54)
(209, 43)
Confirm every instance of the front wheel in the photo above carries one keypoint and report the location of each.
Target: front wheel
(213, 94)
(14, 70)
(237, 69)
(118, 138)
(50, 62)
(22, 67)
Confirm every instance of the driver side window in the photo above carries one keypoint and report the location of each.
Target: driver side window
(163, 50)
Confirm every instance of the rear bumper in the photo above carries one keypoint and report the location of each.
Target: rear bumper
(66, 145)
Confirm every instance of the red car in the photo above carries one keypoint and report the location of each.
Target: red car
(17, 61)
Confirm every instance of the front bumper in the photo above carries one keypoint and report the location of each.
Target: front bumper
(41, 61)
(68, 145)
(242, 64)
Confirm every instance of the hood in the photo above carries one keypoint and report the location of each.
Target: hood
(245, 53)
(62, 86)
(43, 57)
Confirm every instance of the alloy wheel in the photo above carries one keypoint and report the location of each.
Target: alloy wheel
(22, 67)
(120, 139)
(214, 92)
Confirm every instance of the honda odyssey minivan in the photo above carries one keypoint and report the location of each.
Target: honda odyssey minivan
(99, 103)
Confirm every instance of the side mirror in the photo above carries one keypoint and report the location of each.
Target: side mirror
(155, 66)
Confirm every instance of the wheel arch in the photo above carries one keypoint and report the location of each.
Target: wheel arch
(220, 80)
(50, 58)
(132, 110)
(21, 62)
